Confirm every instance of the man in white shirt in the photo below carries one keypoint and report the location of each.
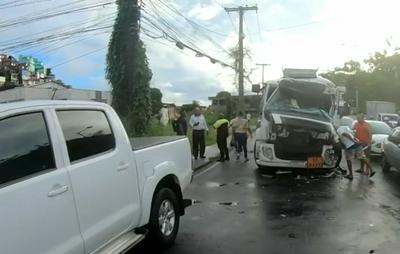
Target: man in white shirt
(353, 149)
(199, 125)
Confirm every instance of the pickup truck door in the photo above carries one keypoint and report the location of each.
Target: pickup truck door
(103, 175)
(37, 211)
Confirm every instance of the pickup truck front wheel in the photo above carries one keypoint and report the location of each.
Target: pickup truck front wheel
(164, 218)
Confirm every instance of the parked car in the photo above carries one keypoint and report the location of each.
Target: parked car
(391, 146)
(347, 121)
(380, 131)
(391, 119)
(71, 181)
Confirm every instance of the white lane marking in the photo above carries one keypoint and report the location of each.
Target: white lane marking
(206, 170)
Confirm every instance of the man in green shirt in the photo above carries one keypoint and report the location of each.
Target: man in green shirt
(222, 127)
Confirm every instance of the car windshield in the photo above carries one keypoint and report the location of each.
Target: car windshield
(380, 128)
(390, 118)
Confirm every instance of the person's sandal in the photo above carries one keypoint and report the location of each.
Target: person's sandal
(350, 177)
(372, 174)
(359, 171)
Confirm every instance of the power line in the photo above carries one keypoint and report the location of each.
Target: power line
(78, 57)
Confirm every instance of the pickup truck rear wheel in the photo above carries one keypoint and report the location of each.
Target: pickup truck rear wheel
(164, 218)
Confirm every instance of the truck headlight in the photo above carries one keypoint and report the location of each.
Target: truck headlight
(330, 158)
(268, 152)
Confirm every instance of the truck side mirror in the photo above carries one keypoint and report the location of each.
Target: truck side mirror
(256, 88)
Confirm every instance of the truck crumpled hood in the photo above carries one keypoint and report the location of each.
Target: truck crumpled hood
(301, 122)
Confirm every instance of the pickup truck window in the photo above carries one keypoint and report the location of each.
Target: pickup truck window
(87, 133)
(25, 147)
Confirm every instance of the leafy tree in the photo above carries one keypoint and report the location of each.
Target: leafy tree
(380, 81)
(128, 71)
(156, 103)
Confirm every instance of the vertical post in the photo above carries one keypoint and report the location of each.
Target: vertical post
(241, 10)
(357, 106)
(241, 74)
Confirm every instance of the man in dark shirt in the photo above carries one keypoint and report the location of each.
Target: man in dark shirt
(222, 127)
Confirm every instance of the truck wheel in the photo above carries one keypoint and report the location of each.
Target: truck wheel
(385, 164)
(164, 218)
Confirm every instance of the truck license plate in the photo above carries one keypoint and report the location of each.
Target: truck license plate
(315, 162)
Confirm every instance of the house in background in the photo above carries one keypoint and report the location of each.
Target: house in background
(227, 104)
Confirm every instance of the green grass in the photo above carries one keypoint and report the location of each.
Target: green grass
(157, 129)
(211, 137)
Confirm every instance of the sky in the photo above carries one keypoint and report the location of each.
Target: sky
(319, 34)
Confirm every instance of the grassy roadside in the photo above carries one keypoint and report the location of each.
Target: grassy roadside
(157, 129)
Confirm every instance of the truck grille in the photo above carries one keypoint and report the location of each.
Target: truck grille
(297, 146)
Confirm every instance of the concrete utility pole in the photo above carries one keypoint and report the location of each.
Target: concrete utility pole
(263, 66)
(241, 10)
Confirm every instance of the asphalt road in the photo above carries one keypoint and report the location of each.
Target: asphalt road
(239, 209)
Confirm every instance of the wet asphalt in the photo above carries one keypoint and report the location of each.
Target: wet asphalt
(240, 209)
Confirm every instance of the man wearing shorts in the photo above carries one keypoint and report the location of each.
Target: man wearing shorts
(364, 135)
(353, 150)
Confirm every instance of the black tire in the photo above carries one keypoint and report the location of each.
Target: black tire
(385, 164)
(155, 233)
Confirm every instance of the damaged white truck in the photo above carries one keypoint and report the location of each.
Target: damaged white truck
(295, 129)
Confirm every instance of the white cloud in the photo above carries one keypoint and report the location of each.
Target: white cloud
(205, 12)
(342, 30)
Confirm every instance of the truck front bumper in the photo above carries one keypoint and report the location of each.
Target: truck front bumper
(265, 156)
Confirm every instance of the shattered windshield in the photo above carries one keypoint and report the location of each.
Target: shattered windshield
(299, 104)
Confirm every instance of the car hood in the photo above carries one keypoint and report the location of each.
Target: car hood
(378, 138)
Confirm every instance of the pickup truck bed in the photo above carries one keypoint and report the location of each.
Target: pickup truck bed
(142, 143)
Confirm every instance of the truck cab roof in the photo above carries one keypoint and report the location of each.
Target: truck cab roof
(45, 103)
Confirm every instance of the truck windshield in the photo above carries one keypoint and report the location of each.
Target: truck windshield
(315, 106)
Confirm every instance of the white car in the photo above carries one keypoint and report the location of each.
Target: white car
(71, 180)
(380, 132)
(390, 119)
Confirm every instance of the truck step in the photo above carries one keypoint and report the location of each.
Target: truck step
(124, 242)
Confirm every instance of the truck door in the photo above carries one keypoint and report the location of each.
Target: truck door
(37, 206)
(103, 176)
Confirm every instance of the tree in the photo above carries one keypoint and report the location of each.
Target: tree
(156, 100)
(381, 80)
(128, 70)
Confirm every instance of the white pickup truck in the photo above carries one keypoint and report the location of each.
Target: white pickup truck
(71, 181)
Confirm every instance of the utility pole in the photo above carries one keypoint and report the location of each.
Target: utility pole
(263, 66)
(241, 10)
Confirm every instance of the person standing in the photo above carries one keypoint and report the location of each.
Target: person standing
(179, 124)
(240, 129)
(222, 127)
(353, 150)
(363, 133)
(199, 125)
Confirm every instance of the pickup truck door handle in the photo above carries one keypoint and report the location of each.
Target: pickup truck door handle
(122, 167)
(57, 190)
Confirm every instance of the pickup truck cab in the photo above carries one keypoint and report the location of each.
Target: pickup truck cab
(71, 180)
